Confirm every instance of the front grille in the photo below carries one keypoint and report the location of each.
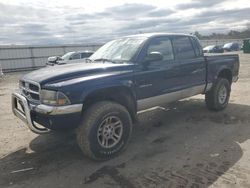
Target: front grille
(30, 90)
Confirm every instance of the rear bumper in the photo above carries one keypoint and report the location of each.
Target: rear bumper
(50, 117)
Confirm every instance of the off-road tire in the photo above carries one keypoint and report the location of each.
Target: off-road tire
(87, 132)
(212, 96)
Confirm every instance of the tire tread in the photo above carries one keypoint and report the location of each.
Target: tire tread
(87, 121)
(211, 96)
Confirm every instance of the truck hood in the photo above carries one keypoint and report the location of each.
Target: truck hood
(69, 71)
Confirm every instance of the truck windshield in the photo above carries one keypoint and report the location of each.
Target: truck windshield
(67, 56)
(119, 50)
(228, 45)
(209, 47)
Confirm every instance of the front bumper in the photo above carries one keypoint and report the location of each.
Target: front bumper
(50, 117)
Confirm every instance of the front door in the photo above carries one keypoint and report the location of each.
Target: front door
(156, 79)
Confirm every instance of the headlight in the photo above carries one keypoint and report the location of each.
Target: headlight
(54, 98)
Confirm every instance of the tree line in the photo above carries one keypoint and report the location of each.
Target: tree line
(230, 35)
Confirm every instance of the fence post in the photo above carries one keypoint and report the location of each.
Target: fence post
(64, 49)
(32, 57)
(1, 71)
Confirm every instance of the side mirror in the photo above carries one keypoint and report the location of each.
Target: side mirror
(153, 56)
(53, 59)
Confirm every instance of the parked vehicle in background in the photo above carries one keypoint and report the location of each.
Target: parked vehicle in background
(232, 46)
(70, 57)
(246, 45)
(101, 98)
(213, 49)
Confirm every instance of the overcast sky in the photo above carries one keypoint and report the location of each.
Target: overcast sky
(92, 21)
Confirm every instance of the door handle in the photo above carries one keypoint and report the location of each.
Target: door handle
(145, 85)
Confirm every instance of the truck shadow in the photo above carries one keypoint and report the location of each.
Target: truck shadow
(180, 145)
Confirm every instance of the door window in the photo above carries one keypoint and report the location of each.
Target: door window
(75, 56)
(84, 55)
(162, 45)
(183, 48)
(198, 48)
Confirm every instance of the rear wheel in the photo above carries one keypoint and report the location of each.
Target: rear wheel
(218, 97)
(105, 130)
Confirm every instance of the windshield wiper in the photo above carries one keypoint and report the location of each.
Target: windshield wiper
(105, 60)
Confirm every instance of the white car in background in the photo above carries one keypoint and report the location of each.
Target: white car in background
(70, 57)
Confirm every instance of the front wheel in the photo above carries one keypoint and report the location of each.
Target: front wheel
(218, 97)
(105, 130)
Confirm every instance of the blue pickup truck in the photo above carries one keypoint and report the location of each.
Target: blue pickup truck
(100, 97)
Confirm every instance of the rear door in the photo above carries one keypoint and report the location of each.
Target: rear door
(191, 61)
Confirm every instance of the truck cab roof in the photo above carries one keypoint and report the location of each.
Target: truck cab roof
(150, 35)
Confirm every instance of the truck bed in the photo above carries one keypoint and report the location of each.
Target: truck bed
(215, 63)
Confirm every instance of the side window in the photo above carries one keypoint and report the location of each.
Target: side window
(183, 48)
(162, 45)
(84, 55)
(75, 56)
(197, 46)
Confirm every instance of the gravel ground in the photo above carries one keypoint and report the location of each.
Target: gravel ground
(179, 145)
